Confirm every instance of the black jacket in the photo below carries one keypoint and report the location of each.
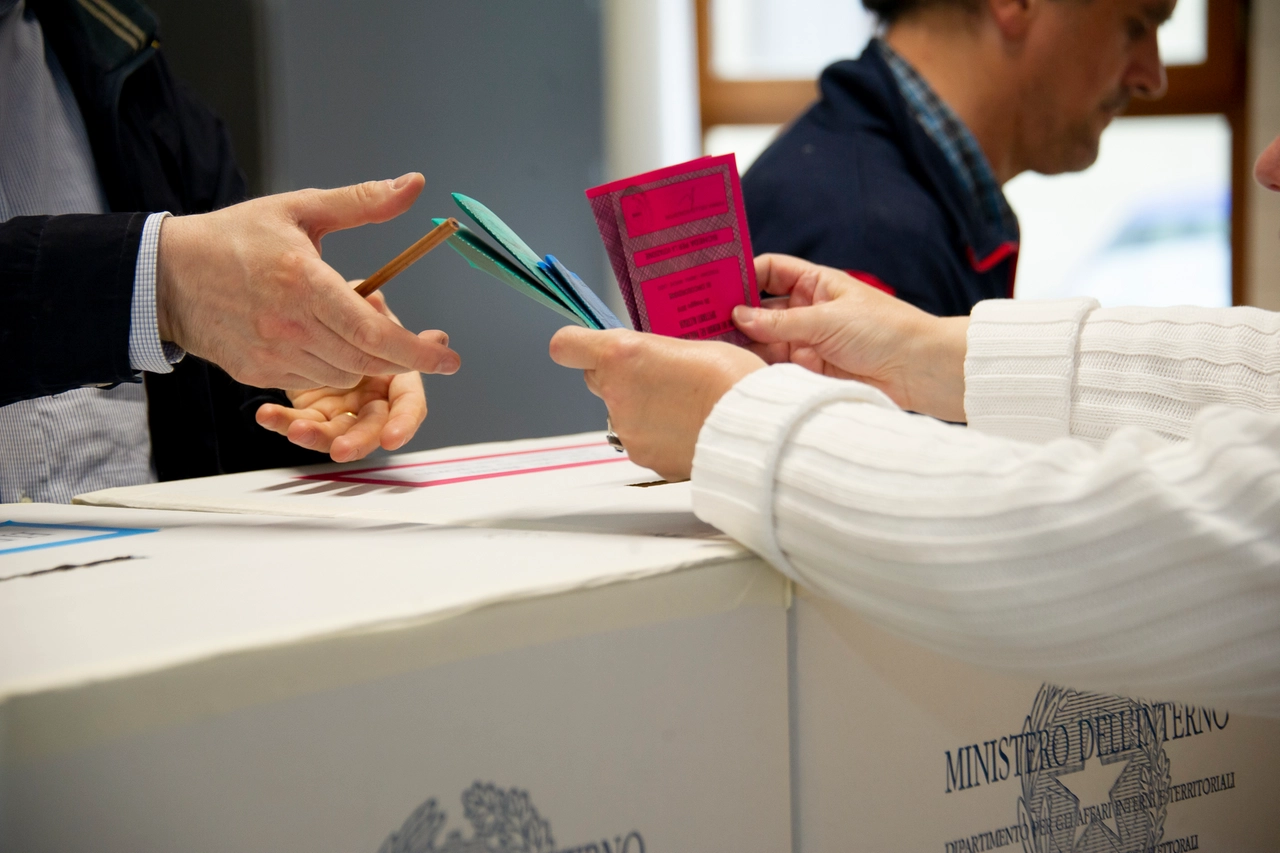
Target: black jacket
(66, 282)
(857, 184)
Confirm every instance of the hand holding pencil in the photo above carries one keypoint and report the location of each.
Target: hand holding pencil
(401, 262)
(383, 410)
(245, 287)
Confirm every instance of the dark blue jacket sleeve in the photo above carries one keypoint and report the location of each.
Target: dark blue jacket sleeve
(66, 286)
(852, 204)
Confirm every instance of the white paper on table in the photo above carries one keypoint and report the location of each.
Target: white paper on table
(572, 483)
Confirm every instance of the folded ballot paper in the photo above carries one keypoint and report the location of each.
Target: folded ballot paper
(545, 280)
(679, 245)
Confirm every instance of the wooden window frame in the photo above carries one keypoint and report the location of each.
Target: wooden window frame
(1216, 86)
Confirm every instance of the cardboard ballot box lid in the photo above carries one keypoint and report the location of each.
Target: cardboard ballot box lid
(572, 483)
(206, 681)
(88, 593)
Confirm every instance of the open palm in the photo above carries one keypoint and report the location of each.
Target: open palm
(350, 423)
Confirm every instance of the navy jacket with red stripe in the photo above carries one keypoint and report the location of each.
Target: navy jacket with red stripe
(856, 183)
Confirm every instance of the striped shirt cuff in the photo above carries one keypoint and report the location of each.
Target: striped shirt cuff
(1021, 366)
(146, 351)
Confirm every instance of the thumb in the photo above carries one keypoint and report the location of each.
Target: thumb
(579, 348)
(322, 211)
(769, 326)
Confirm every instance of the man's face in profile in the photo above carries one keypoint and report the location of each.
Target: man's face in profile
(1084, 60)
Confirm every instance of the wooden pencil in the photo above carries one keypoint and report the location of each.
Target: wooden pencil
(402, 261)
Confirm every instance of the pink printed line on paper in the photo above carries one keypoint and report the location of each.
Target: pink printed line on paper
(666, 251)
(359, 477)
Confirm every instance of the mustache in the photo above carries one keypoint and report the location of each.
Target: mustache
(1117, 102)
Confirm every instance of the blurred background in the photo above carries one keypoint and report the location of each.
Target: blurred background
(525, 105)
(1150, 223)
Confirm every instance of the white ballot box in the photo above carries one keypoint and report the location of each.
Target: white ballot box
(893, 747)
(899, 748)
(191, 682)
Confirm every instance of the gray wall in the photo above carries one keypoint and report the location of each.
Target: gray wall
(498, 99)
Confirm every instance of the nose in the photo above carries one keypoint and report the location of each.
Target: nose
(1267, 169)
(1145, 76)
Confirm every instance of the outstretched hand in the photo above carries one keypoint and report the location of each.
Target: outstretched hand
(244, 287)
(350, 423)
(658, 390)
(833, 324)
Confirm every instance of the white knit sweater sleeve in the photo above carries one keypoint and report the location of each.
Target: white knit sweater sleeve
(1131, 563)
(1043, 370)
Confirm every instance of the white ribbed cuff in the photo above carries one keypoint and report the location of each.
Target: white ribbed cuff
(743, 442)
(1020, 367)
(146, 351)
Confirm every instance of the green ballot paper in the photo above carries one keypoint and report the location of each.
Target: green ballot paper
(545, 281)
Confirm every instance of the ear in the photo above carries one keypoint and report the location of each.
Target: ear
(1013, 17)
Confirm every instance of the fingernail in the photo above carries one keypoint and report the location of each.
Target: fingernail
(401, 182)
(307, 439)
(743, 313)
(449, 365)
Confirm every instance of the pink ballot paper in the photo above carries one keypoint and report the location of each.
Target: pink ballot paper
(678, 241)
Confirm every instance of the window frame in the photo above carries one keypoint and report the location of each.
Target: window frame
(1216, 86)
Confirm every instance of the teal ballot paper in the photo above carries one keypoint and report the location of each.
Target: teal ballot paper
(544, 280)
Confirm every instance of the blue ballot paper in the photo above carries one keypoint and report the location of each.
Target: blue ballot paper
(546, 281)
(586, 298)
